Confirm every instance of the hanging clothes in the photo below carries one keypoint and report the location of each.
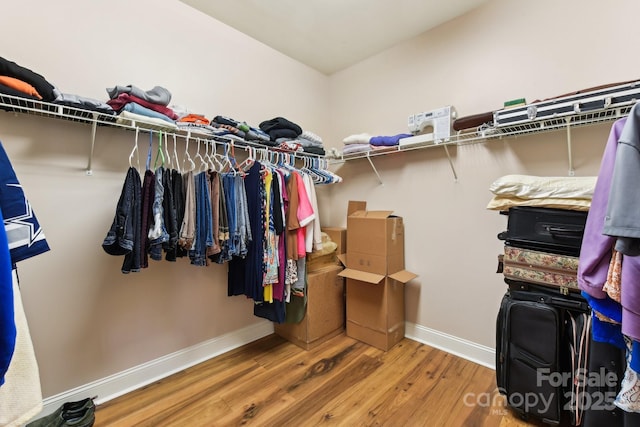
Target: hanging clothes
(170, 215)
(7, 317)
(179, 201)
(214, 193)
(26, 237)
(146, 215)
(203, 231)
(123, 238)
(279, 195)
(245, 274)
(21, 394)
(21, 238)
(188, 227)
(157, 232)
(610, 251)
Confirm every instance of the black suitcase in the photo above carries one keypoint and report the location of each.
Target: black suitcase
(607, 364)
(538, 336)
(557, 231)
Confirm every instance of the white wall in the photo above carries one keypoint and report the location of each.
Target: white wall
(502, 51)
(88, 320)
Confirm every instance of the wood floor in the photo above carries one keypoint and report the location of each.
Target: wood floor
(343, 382)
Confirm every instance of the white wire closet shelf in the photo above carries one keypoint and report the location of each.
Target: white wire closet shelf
(15, 104)
(488, 133)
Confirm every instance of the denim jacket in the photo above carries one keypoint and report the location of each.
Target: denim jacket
(123, 238)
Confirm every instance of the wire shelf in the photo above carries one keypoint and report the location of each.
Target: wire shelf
(35, 107)
(489, 132)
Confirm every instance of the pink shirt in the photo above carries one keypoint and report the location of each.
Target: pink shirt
(305, 215)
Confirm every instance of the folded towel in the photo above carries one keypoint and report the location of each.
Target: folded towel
(356, 148)
(359, 138)
(311, 137)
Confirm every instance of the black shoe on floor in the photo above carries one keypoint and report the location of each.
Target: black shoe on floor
(67, 411)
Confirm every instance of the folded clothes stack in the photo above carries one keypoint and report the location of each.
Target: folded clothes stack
(151, 106)
(195, 123)
(129, 105)
(22, 82)
(289, 136)
(240, 130)
(364, 142)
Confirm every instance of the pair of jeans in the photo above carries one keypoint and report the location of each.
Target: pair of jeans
(230, 249)
(204, 228)
(244, 228)
(158, 233)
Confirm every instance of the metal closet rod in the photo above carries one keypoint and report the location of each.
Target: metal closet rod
(187, 134)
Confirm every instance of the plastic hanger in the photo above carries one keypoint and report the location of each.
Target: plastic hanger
(135, 150)
(148, 165)
(228, 165)
(175, 153)
(159, 153)
(216, 157)
(246, 164)
(203, 163)
(187, 157)
(210, 158)
(166, 151)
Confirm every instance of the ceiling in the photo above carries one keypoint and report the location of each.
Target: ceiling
(330, 35)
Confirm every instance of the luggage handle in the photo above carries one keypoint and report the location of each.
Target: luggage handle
(566, 303)
(593, 105)
(563, 231)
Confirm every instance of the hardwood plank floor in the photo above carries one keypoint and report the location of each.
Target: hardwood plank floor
(343, 382)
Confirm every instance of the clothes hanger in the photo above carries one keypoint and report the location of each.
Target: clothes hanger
(175, 153)
(148, 165)
(207, 156)
(215, 157)
(250, 160)
(203, 163)
(166, 151)
(187, 157)
(323, 167)
(228, 165)
(159, 153)
(135, 150)
(216, 166)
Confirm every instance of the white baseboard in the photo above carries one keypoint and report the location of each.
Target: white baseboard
(131, 379)
(480, 354)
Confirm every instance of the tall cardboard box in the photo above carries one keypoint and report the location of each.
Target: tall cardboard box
(375, 240)
(375, 307)
(325, 312)
(375, 276)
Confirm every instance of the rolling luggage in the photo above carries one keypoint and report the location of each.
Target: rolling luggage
(608, 364)
(540, 340)
(599, 99)
(543, 268)
(551, 230)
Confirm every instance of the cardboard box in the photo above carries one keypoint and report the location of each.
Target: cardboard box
(325, 313)
(375, 240)
(375, 307)
(320, 262)
(338, 235)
